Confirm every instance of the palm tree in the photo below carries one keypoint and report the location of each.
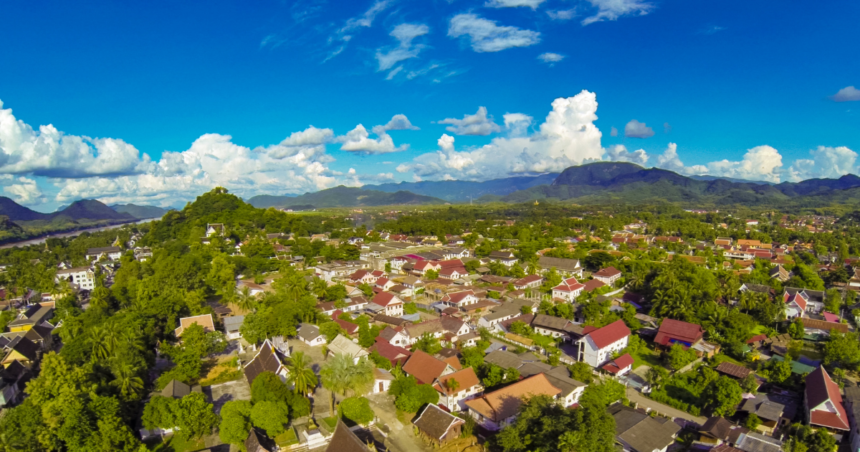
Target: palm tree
(342, 374)
(245, 301)
(128, 382)
(319, 287)
(301, 375)
(452, 384)
(105, 339)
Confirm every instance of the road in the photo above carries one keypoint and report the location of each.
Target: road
(400, 435)
(644, 402)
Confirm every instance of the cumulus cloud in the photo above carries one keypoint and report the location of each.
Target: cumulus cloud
(358, 140)
(533, 4)
(517, 124)
(567, 137)
(486, 36)
(23, 190)
(478, 124)
(561, 14)
(405, 33)
(613, 9)
(550, 58)
(829, 162)
(49, 152)
(636, 129)
(619, 153)
(397, 122)
(310, 141)
(847, 94)
(759, 163)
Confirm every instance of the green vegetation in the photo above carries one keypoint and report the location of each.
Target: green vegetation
(342, 197)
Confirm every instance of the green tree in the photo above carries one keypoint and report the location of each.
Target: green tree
(843, 349)
(300, 374)
(342, 375)
(679, 356)
(428, 344)
(270, 416)
(357, 410)
(722, 396)
(409, 396)
(194, 416)
(331, 330)
(581, 371)
(752, 421)
(235, 422)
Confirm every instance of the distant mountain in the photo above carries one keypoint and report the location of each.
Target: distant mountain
(606, 182)
(17, 212)
(90, 209)
(342, 197)
(731, 179)
(140, 212)
(461, 191)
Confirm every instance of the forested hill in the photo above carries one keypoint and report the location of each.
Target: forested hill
(614, 182)
(342, 196)
(140, 212)
(463, 191)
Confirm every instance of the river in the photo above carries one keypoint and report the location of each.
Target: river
(61, 235)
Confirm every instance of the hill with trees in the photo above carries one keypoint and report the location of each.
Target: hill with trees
(342, 196)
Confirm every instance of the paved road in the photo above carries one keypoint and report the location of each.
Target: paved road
(401, 435)
(644, 402)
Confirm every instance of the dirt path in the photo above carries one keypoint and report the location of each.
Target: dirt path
(400, 436)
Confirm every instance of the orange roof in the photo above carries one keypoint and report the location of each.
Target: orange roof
(465, 377)
(504, 403)
(424, 367)
(204, 320)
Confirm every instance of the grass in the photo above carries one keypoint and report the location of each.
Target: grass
(175, 444)
(759, 329)
(220, 371)
(720, 357)
(646, 356)
(288, 438)
(331, 422)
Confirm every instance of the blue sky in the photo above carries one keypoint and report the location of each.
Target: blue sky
(156, 102)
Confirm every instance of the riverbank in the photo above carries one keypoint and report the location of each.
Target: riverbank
(70, 233)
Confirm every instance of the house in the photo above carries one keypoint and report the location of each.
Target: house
(619, 366)
(310, 334)
(780, 273)
(529, 282)
(363, 277)
(593, 284)
(22, 350)
(568, 290)
(394, 336)
(767, 410)
(142, 254)
(456, 388)
(258, 441)
(204, 320)
(111, 252)
(499, 408)
(13, 379)
(350, 328)
(427, 368)
(733, 370)
(385, 283)
(458, 299)
(34, 315)
(268, 359)
(82, 277)
(176, 389)
(438, 426)
(453, 272)
(822, 402)
(756, 442)
(598, 345)
(344, 440)
(213, 229)
(637, 432)
(391, 304)
(381, 380)
(673, 332)
(505, 258)
(548, 325)
(820, 329)
(39, 334)
(232, 325)
(341, 345)
(353, 304)
(396, 355)
(795, 305)
(565, 267)
(799, 302)
(607, 275)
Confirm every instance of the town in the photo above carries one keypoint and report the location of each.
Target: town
(223, 327)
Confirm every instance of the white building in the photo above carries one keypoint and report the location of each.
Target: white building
(597, 347)
(83, 277)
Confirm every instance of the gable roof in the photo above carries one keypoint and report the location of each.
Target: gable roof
(465, 377)
(309, 331)
(733, 370)
(618, 364)
(504, 359)
(819, 389)
(204, 320)
(424, 367)
(609, 333)
(796, 297)
(676, 330)
(504, 403)
(435, 422)
(24, 346)
(394, 354)
(607, 272)
(643, 433)
(349, 327)
(344, 440)
(566, 265)
(385, 299)
(342, 345)
(266, 360)
(593, 285)
(824, 325)
(457, 297)
(528, 280)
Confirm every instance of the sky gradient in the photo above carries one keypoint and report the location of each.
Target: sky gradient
(156, 102)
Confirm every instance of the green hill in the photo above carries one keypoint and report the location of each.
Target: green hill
(90, 209)
(342, 196)
(140, 212)
(462, 191)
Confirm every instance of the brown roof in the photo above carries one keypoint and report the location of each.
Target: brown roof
(435, 422)
(675, 330)
(345, 440)
(266, 360)
(593, 284)
(425, 368)
(608, 272)
(824, 325)
(465, 377)
(717, 427)
(394, 354)
(204, 320)
(504, 403)
(819, 389)
(733, 370)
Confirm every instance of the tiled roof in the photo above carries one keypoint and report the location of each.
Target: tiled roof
(609, 333)
(203, 320)
(504, 403)
(266, 360)
(618, 364)
(824, 325)
(436, 422)
(679, 331)
(394, 354)
(349, 327)
(733, 370)
(425, 368)
(466, 378)
(344, 440)
(457, 297)
(608, 272)
(819, 389)
(528, 280)
(385, 299)
(593, 284)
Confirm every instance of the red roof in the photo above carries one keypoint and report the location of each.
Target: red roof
(425, 368)
(608, 272)
(359, 274)
(385, 298)
(394, 354)
(452, 270)
(609, 334)
(457, 297)
(382, 281)
(756, 338)
(677, 331)
(593, 284)
(830, 317)
(819, 389)
(528, 280)
(619, 364)
(451, 263)
(797, 298)
(349, 327)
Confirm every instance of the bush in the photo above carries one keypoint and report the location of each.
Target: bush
(357, 410)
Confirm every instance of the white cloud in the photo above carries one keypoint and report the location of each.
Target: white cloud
(366, 19)
(478, 124)
(49, 152)
(393, 73)
(533, 4)
(619, 153)
(669, 160)
(613, 9)
(517, 124)
(613, 132)
(358, 140)
(551, 58)
(847, 94)
(405, 33)
(397, 122)
(562, 14)
(759, 163)
(826, 162)
(636, 129)
(25, 191)
(486, 36)
(567, 137)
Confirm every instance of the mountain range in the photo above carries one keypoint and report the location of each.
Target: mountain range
(140, 212)
(342, 196)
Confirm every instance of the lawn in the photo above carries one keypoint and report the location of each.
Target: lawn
(175, 444)
(719, 358)
(331, 422)
(759, 329)
(288, 438)
(646, 356)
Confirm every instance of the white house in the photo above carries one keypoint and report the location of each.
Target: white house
(213, 229)
(568, 290)
(607, 275)
(385, 283)
(83, 277)
(341, 345)
(391, 304)
(499, 408)
(505, 258)
(597, 346)
(454, 395)
(800, 301)
(111, 252)
(381, 380)
(394, 336)
(232, 325)
(310, 334)
(458, 299)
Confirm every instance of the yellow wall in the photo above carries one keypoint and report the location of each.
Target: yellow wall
(14, 356)
(18, 328)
